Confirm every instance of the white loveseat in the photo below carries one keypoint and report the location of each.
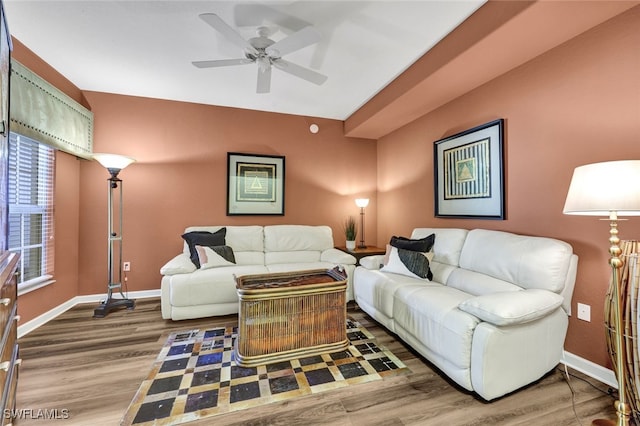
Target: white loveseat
(188, 292)
(495, 315)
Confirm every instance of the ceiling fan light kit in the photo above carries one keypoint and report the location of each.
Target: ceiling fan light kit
(265, 52)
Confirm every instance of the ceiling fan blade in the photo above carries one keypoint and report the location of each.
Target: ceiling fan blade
(264, 79)
(301, 72)
(303, 38)
(223, 28)
(221, 63)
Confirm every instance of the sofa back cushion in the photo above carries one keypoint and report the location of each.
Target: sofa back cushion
(528, 262)
(448, 243)
(446, 249)
(247, 242)
(296, 243)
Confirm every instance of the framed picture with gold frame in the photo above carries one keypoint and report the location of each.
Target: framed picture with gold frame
(468, 173)
(255, 184)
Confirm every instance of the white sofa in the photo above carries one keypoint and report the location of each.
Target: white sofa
(188, 292)
(495, 315)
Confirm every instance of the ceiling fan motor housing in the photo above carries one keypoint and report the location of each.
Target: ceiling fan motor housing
(261, 44)
(265, 52)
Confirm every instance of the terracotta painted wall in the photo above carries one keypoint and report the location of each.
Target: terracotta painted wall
(576, 104)
(180, 177)
(66, 236)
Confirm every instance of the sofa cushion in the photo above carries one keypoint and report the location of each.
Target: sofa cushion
(447, 245)
(290, 238)
(203, 238)
(214, 257)
(431, 314)
(508, 308)
(420, 244)
(296, 243)
(277, 257)
(377, 288)
(207, 286)
(245, 238)
(406, 262)
(529, 262)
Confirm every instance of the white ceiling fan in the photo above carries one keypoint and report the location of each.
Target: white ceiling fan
(265, 52)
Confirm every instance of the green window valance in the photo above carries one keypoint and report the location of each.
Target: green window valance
(42, 112)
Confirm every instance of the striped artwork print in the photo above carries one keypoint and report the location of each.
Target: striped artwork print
(466, 171)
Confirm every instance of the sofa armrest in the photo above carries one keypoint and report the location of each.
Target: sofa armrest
(512, 307)
(336, 256)
(372, 262)
(181, 264)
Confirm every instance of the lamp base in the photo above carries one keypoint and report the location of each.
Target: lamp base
(110, 304)
(606, 422)
(623, 420)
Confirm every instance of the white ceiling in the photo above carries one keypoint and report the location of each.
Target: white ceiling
(145, 48)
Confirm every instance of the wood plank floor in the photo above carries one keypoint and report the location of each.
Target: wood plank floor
(93, 367)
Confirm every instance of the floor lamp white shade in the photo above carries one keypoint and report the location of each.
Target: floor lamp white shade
(113, 162)
(601, 188)
(362, 203)
(609, 189)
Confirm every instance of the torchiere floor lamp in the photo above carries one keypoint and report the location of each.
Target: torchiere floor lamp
(114, 164)
(610, 189)
(362, 203)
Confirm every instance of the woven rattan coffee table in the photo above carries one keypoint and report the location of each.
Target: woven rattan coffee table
(290, 315)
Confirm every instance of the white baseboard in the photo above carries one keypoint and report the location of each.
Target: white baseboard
(580, 364)
(31, 325)
(589, 368)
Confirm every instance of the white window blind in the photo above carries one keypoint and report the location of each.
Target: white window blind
(31, 174)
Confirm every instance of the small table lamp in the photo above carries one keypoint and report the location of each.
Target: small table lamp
(362, 203)
(609, 189)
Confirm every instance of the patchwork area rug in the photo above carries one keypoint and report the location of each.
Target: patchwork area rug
(195, 376)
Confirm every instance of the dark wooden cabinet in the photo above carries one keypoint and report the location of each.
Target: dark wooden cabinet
(9, 361)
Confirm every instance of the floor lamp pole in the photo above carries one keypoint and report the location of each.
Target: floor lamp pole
(362, 245)
(114, 251)
(623, 410)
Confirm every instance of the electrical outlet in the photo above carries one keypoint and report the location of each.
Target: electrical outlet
(584, 312)
(126, 266)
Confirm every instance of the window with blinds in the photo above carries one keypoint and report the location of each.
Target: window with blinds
(30, 195)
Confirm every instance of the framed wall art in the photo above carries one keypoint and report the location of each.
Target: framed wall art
(255, 184)
(468, 173)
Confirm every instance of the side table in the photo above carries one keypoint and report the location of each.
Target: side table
(360, 252)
